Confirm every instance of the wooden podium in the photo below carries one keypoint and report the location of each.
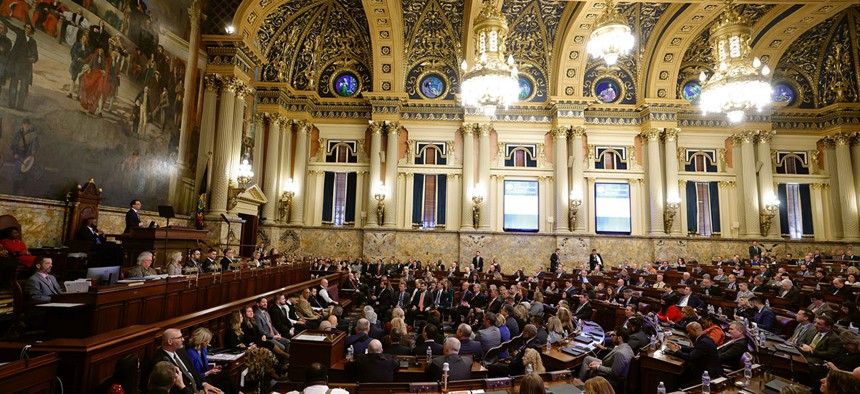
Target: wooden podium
(314, 346)
(163, 240)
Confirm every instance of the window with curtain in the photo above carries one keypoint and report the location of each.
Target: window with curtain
(795, 210)
(428, 200)
(703, 208)
(339, 198)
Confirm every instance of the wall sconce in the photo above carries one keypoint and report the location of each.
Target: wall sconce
(669, 212)
(286, 203)
(477, 199)
(379, 195)
(244, 176)
(766, 215)
(573, 209)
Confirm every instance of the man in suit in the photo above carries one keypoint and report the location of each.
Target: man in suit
(210, 265)
(264, 323)
(401, 297)
(495, 302)
(731, 351)
(441, 298)
(229, 261)
(394, 348)
(659, 284)
(380, 299)
(279, 312)
(755, 250)
(628, 299)
(702, 356)
(842, 291)
(595, 260)
(553, 260)
(132, 217)
(42, 285)
(583, 311)
(373, 366)
(788, 292)
(687, 279)
(690, 299)
(710, 289)
(89, 232)
(468, 346)
(429, 335)
(172, 351)
(303, 307)
(615, 365)
(805, 330)
(478, 262)
(720, 276)
(818, 305)
(619, 287)
(459, 367)
(763, 316)
(361, 339)
(20, 63)
(489, 335)
(825, 345)
(510, 321)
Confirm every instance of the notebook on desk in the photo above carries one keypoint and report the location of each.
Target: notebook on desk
(787, 348)
(775, 386)
(573, 351)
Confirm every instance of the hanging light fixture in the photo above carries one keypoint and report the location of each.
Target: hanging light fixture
(738, 84)
(493, 81)
(611, 37)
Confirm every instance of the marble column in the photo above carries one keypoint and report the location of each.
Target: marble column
(259, 153)
(451, 213)
(855, 164)
(391, 154)
(847, 191)
(237, 131)
(303, 128)
(751, 212)
(359, 198)
(484, 175)
(765, 180)
(577, 170)
(375, 171)
(285, 155)
(272, 170)
(670, 141)
(830, 163)
(188, 98)
(562, 191)
(223, 149)
(654, 173)
(468, 174)
(819, 226)
(409, 193)
(207, 130)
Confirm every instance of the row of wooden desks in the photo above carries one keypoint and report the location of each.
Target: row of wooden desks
(735, 383)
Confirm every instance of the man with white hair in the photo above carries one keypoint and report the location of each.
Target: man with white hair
(373, 366)
(788, 292)
(459, 367)
(467, 345)
(323, 296)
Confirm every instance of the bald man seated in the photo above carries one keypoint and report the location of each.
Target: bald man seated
(373, 366)
(172, 350)
(459, 367)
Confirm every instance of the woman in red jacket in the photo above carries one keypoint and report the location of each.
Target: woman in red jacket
(668, 310)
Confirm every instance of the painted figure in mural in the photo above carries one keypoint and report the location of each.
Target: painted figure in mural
(139, 112)
(21, 58)
(94, 82)
(113, 79)
(79, 54)
(99, 36)
(5, 47)
(47, 16)
(70, 25)
(25, 145)
(608, 95)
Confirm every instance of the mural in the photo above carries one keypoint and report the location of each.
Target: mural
(87, 90)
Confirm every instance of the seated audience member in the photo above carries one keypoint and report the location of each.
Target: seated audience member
(615, 365)
(842, 291)
(850, 316)
(260, 373)
(789, 293)
(711, 289)
(125, 378)
(531, 357)
(805, 330)
(744, 309)
(174, 264)
(323, 296)
(489, 335)
(264, 323)
(743, 291)
(166, 378)
(304, 311)
(702, 356)
(818, 305)
(429, 334)
(583, 311)
(638, 337)
(316, 381)
(253, 336)
(361, 338)
(143, 267)
(712, 330)
(688, 315)
(825, 345)
(89, 232)
(459, 367)
(532, 384)
(395, 347)
(659, 284)
(848, 358)
(689, 299)
(668, 311)
(172, 350)
(738, 344)
(210, 265)
(42, 285)
(536, 307)
(838, 382)
(198, 352)
(598, 385)
(468, 346)
(763, 316)
(373, 366)
(10, 239)
(554, 330)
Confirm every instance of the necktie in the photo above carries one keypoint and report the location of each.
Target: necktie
(421, 301)
(182, 367)
(438, 296)
(798, 334)
(269, 322)
(816, 340)
(400, 302)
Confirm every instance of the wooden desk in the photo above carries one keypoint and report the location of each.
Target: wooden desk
(414, 373)
(557, 360)
(609, 315)
(755, 385)
(36, 375)
(162, 240)
(112, 307)
(657, 366)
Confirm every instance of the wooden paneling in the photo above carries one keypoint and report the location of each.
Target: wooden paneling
(34, 376)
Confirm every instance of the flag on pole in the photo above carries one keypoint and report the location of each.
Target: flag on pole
(201, 199)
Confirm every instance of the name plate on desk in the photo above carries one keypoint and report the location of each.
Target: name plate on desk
(309, 337)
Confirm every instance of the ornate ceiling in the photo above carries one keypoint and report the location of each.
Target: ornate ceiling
(391, 46)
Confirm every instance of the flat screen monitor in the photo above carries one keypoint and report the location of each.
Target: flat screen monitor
(612, 208)
(105, 275)
(521, 206)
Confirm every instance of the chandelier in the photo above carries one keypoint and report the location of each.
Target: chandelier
(492, 81)
(611, 37)
(738, 85)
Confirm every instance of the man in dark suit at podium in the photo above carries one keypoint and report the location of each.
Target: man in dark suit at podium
(478, 261)
(132, 217)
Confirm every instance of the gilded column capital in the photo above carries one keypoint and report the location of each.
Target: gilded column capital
(744, 137)
(765, 136)
(816, 186)
(828, 142)
(727, 184)
(485, 129)
(392, 127)
(303, 126)
(682, 183)
(468, 128)
(559, 132)
(230, 84)
(842, 138)
(212, 82)
(194, 13)
(577, 131)
(242, 90)
(282, 121)
(375, 127)
(671, 134)
(652, 134)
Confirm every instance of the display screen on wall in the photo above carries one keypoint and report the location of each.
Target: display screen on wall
(521, 206)
(612, 207)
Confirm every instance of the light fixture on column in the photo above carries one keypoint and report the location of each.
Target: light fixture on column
(670, 211)
(766, 215)
(493, 81)
(575, 203)
(379, 194)
(477, 199)
(244, 176)
(286, 202)
(611, 37)
(738, 84)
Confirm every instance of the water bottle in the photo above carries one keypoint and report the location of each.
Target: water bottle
(653, 345)
(429, 355)
(349, 353)
(767, 302)
(720, 311)
(818, 286)
(747, 369)
(706, 383)
(661, 388)
(710, 309)
(548, 344)
(762, 338)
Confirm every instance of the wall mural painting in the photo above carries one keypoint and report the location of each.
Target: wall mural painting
(87, 90)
